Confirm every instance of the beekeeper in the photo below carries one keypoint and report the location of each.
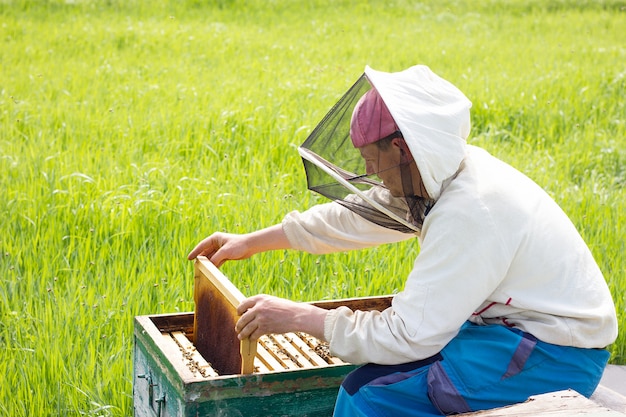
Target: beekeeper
(504, 300)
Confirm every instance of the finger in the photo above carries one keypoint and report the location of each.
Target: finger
(248, 331)
(256, 335)
(243, 321)
(247, 304)
(195, 251)
(217, 258)
(205, 247)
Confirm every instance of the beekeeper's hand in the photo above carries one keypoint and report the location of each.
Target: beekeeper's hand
(221, 247)
(264, 314)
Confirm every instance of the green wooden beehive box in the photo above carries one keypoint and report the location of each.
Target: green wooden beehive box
(293, 374)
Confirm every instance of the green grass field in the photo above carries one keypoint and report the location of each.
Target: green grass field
(130, 130)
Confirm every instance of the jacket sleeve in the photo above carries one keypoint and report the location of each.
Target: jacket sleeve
(330, 227)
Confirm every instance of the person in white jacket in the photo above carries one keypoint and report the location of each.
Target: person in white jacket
(504, 300)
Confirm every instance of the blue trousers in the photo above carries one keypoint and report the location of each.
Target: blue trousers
(483, 367)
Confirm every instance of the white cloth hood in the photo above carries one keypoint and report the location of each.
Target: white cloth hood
(433, 116)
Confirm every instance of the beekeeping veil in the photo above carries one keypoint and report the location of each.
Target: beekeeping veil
(427, 111)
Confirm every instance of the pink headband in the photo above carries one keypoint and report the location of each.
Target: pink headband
(371, 120)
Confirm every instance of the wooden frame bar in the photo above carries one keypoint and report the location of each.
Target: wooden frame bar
(215, 317)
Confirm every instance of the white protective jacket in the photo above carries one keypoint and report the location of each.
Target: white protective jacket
(495, 248)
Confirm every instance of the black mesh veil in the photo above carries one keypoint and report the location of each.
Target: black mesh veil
(335, 169)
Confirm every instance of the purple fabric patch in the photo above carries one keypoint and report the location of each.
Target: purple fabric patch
(442, 392)
(521, 355)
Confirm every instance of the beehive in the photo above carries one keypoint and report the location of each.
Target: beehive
(183, 368)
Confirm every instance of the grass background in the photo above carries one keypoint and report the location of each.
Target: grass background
(129, 130)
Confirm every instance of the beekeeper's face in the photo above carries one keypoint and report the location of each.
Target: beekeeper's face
(384, 161)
